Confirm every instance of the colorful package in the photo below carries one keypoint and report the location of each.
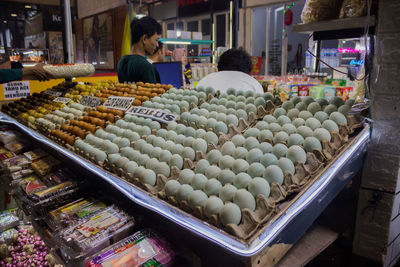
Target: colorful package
(316, 91)
(31, 184)
(336, 82)
(329, 92)
(344, 92)
(35, 154)
(303, 90)
(144, 248)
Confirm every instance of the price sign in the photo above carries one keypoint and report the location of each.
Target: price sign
(91, 101)
(50, 92)
(119, 102)
(154, 114)
(16, 90)
(64, 100)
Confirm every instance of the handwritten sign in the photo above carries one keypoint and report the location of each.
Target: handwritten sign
(64, 100)
(154, 114)
(16, 90)
(90, 101)
(119, 102)
(50, 92)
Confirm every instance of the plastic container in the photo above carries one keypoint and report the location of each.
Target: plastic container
(143, 248)
(93, 233)
(72, 212)
(41, 202)
(8, 221)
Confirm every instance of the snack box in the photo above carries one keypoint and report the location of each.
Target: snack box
(344, 92)
(316, 92)
(329, 92)
(303, 89)
(143, 248)
(93, 233)
(71, 213)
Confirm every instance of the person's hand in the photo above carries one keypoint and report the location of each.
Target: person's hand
(36, 72)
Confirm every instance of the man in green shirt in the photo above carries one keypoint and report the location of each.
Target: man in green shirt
(135, 68)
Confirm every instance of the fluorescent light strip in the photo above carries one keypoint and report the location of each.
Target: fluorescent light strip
(177, 42)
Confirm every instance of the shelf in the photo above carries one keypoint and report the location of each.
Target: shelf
(185, 41)
(337, 28)
(287, 228)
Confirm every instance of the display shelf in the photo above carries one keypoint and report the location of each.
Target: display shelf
(185, 41)
(287, 228)
(337, 28)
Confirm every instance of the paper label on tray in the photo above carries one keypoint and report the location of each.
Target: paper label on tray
(154, 114)
(90, 101)
(54, 93)
(64, 100)
(131, 254)
(14, 90)
(118, 102)
(96, 224)
(90, 209)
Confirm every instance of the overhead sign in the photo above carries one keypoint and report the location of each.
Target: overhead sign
(154, 114)
(119, 102)
(14, 90)
(64, 100)
(90, 101)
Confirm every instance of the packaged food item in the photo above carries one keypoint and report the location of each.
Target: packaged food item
(9, 236)
(319, 10)
(329, 92)
(70, 213)
(94, 233)
(143, 248)
(58, 177)
(344, 92)
(7, 136)
(6, 154)
(22, 173)
(353, 8)
(31, 184)
(336, 82)
(43, 201)
(35, 154)
(8, 221)
(16, 146)
(16, 163)
(316, 91)
(45, 165)
(303, 90)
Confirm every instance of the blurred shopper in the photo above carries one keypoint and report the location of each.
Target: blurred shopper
(234, 67)
(159, 54)
(135, 68)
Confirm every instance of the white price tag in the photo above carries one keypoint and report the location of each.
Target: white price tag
(50, 92)
(64, 100)
(154, 114)
(90, 101)
(118, 102)
(16, 90)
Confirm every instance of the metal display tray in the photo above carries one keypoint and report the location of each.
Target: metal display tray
(287, 228)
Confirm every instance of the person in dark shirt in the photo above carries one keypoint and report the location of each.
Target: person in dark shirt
(35, 72)
(135, 68)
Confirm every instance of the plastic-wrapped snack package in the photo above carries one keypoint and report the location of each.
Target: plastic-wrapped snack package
(41, 202)
(31, 184)
(35, 154)
(45, 165)
(72, 212)
(16, 146)
(8, 221)
(143, 248)
(319, 10)
(6, 154)
(7, 136)
(353, 8)
(94, 233)
(9, 236)
(58, 177)
(16, 163)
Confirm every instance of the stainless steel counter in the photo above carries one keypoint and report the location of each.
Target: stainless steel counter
(300, 214)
